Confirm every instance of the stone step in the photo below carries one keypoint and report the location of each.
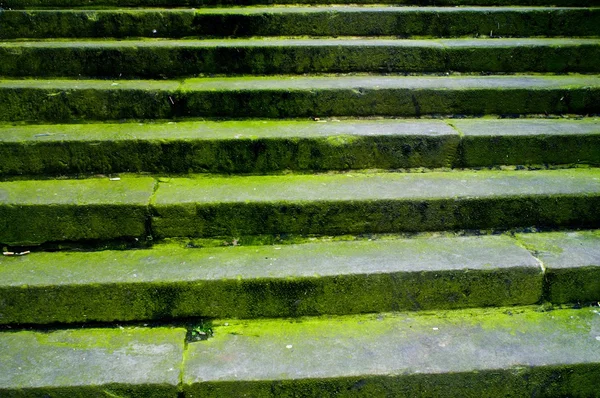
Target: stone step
(293, 96)
(101, 362)
(153, 58)
(269, 281)
(264, 146)
(516, 351)
(34, 212)
(491, 353)
(169, 281)
(26, 4)
(343, 20)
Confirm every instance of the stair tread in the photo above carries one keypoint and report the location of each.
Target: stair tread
(36, 4)
(316, 8)
(506, 351)
(300, 42)
(269, 281)
(256, 129)
(403, 354)
(101, 362)
(94, 191)
(171, 263)
(345, 277)
(377, 186)
(288, 83)
(259, 146)
(246, 129)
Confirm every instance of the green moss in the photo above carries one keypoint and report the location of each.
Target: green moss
(19, 4)
(33, 212)
(286, 97)
(168, 282)
(404, 22)
(440, 355)
(549, 381)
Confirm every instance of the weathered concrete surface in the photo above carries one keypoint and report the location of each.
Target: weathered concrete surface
(132, 362)
(343, 20)
(160, 58)
(572, 262)
(259, 146)
(488, 142)
(268, 281)
(297, 96)
(230, 146)
(493, 353)
(21, 4)
(33, 212)
(380, 202)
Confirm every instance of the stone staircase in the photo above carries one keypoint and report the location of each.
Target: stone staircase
(219, 198)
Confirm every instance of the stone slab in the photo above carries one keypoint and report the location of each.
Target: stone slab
(160, 58)
(342, 20)
(572, 263)
(258, 146)
(491, 142)
(132, 362)
(226, 147)
(492, 353)
(268, 281)
(34, 212)
(293, 96)
(380, 202)
(21, 4)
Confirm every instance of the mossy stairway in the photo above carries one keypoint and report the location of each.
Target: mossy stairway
(219, 198)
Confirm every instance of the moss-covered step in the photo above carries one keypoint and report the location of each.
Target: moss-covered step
(155, 58)
(261, 146)
(119, 362)
(572, 264)
(517, 352)
(33, 212)
(24, 4)
(226, 147)
(383, 202)
(268, 281)
(487, 142)
(300, 21)
(297, 96)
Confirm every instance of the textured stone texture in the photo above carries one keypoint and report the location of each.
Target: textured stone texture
(572, 262)
(132, 362)
(158, 58)
(33, 212)
(493, 353)
(380, 202)
(268, 281)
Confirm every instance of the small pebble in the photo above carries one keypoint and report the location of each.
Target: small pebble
(288, 346)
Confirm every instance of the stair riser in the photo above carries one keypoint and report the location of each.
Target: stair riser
(20, 4)
(228, 156)
(325, 278)
(148, 62)
(530, 381)
(45, 211)
(26, 225)
(264, 156)
(271, 146)
(269, 281)
(338, 218)
(52, 105)
(345, 294)
(405, 22)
